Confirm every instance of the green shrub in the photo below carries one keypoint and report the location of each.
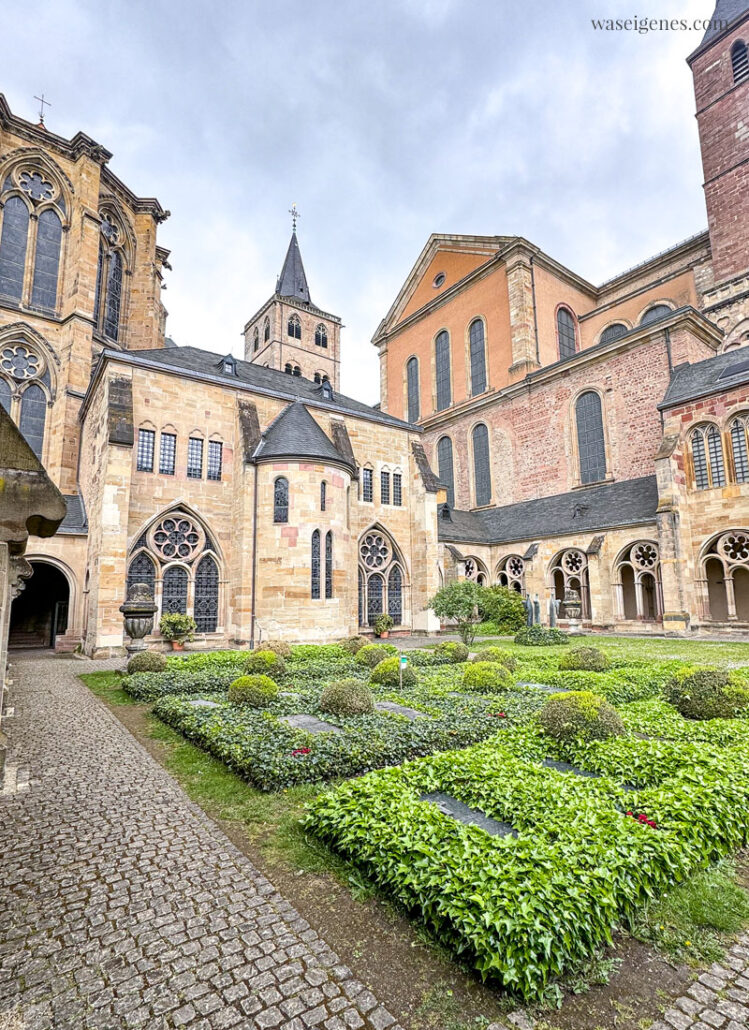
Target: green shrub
(372, 654)
(147, 661)
(580, 714)
(427, 659)
(459, 601)
(387, 673)
(454, 651)
(487, 677)
(256, 691)
(503, 607)
(176, 626)
(195, 660)
(540, 636)
(150, 686)
(497, 654)
(318, 653)
(383, 624)
(265, 663)
(707, 693)
(347, 697)
(279, 647)
(353, 644)
(587, 659)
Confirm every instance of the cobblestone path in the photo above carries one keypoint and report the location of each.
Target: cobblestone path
(123, 905)
(718, 1000)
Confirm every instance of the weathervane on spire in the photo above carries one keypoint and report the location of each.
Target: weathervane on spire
(294, 215)
(42, 104)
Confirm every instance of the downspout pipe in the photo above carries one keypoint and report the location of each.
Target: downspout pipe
(254, 560)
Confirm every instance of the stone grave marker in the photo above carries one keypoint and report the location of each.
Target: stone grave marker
(470, 816)
(391, 706)
(309, 723)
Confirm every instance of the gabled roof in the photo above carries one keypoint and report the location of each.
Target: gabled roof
(295, 434)
(703, 378)
(605, 506)
(292, 282)
(726, 13)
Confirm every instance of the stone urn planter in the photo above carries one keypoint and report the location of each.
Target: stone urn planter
(138, 612)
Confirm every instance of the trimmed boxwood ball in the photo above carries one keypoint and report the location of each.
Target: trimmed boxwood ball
(254, 691)
(487, 676)
(279, 647)
(147, 661)
(588, 659)
(454, 651)
(373, 654)
(347, 697)
(353, 644)
(540, 636)
(387, 673)
(580, 714)
(707, 693)
(265, 663)
(497, 654)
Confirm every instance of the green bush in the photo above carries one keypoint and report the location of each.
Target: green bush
(265, 663)
(150, 686)
(318, 653)
(587, 659)
(353, 644)
(347, 697)
(427, 659)
(372, 654)
(503, 607)
(497, 654)
(147, 661)
(487, 677)
(707, 693)
(459, 601)
(195, 660)
(176, 626)
(454, 651)
(540, 636)
(256, 691)
(279, 647)
(387, 673)
(580, 714)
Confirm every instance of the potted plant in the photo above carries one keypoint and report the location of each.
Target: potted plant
(383, 625)
(178, 628)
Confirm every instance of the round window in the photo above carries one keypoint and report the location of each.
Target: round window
(439, 280)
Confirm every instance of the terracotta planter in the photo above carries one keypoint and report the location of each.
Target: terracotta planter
(177, 645)
(385, 634)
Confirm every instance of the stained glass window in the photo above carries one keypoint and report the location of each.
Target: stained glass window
(321, 336)
(445, 465)
(141, 570)
(33, 416)
(146, 442)
(699, 461)
(281, 500)
(442, 365)
(566, 336)
(114, 296)
(375, 590)
(478, 357)
(395, 595)
(215, 458)
(47, 260)
(412, 387)
(323, 495)
(294, 328)
(168, 454)
(5, 394)
(315, 566)
(397, 489)
(194, 457)
(13, 243)
(384, 488)
(366, 485)
(715, 451)
(481, 470)
(174, 590)
(206, 595)
(739, 448)
(99, 283)
(613, 332)
(362, 597)
(590, 440)
(328, 564)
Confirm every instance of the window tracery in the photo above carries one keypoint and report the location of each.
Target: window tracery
(381, 578)
(31, 238)
(568, 571)
(707, 457)
(110, 275)
(724, 578)
(294, 327)
(511, 573)
(637, 582)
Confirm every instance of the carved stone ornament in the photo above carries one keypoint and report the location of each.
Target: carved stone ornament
(138, 612)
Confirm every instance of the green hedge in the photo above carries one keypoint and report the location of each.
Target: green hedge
(148, 686)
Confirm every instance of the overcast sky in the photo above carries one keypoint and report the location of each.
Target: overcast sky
(384, 122)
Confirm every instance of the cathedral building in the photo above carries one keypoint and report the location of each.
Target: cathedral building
(535, 430)
(594, 437)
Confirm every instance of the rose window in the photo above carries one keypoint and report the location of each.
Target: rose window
(19, 362)
(645, 556)
(374, 551)
(109, 230)
(470, 568)
(37, 187)
(177, 537)
(573, 562)
(515, 567)
(735, 546)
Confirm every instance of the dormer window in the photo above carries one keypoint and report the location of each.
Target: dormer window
(229, 365)
(326, 390)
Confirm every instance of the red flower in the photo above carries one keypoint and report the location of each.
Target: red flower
(630, 813)
(501, 715)
(300, 751)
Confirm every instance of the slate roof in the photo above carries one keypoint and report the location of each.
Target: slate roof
(725, 11)
(292, 282)
(605, 506)
(75, 521)
(713, 375)
(269, 381)
(295, 434)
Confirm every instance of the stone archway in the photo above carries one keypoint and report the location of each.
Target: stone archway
(40, 613)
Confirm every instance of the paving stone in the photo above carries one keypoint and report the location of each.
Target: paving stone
(712, 1017)
(678, 1019)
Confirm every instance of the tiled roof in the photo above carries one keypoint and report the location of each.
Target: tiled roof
(295, 434)
(292, 282)
(75, 521)
(726, 11)
(713, 375)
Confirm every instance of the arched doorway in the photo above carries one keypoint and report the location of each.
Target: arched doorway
(39, 614)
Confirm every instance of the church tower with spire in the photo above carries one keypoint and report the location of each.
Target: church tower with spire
(289, 332)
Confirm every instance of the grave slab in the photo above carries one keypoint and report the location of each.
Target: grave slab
(469, 816)
(565, 767)
(199, 703)
(309, 723)
(547, 689)
(391, 706)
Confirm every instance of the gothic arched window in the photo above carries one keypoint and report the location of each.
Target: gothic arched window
(174, 590)
(653, 314)
(6, 394)
(375, 593)
(739, 62)
(482, 475)
(281, 500)
(395, 595)
(328, 564)
(591, 444)
(321, 336)
(206, 595)
(445, 467)
(109, 279)
(294, 328)
(13, 244)
(739, 450)
(256, 340)
(707, 457)
(47, 260)
(613, 332)
(566, 333)
(296, 371)
(266, 330)
(478, 357)
(315, 566)
(33, 416)
(412, 389)
(141, 570)
(323, 495)
(288, 368)
(114, 296)
(442, 370)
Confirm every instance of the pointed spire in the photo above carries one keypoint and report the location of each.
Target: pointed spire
(726, 12)
(292, 282)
